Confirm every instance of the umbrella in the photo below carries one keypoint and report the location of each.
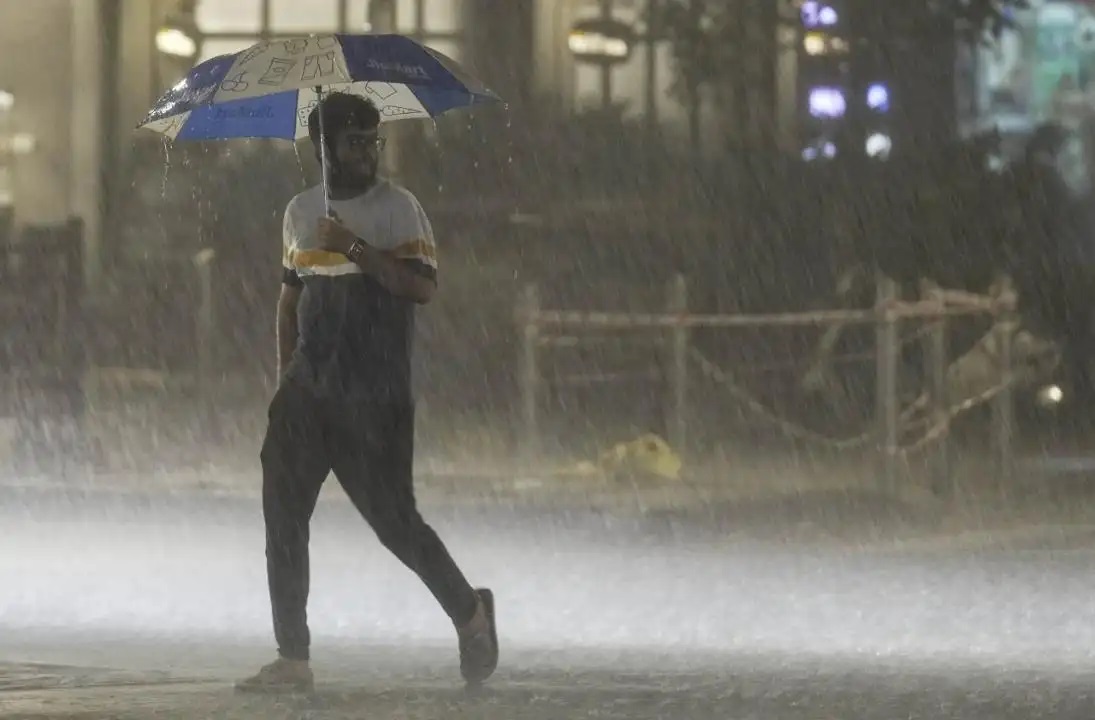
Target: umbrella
(269, 89)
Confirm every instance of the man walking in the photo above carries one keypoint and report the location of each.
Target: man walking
(345, 327)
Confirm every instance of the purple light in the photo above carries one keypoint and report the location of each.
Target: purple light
(827, 102)
(878, 97)
(816, 14)
(819, 149)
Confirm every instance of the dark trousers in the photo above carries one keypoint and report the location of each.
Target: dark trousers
(370, 448)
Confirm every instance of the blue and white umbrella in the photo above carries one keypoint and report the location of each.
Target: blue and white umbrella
(269, 89)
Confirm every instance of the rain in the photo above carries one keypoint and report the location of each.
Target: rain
(750, 363)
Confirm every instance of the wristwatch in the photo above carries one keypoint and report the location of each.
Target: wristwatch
(354, 253)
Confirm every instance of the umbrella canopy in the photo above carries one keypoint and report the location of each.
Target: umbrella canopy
(269, 89)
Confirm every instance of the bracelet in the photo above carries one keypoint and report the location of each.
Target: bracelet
(355, 251)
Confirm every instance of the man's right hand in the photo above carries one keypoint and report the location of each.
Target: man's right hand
(287, 328)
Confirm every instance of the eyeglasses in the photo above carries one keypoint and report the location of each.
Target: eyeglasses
(368, 143)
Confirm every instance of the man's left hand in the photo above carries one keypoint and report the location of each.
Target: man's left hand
(333, 236)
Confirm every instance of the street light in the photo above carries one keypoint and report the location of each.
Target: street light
(176, 42)
(597, 46)
(179, 36)
(601, 41)
(175, 47)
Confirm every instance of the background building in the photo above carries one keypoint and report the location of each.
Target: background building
(68, 111)
(646, 84)
(874, 78)
(81, 98)
(51, 114)
(1042, 70)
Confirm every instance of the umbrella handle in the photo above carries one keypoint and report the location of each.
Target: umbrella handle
(324, 159)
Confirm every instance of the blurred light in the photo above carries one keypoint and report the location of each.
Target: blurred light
(814, 44)
(827, 102)
(7, 100)
(816, 14)
(598, 45)
(1051, 395)
(23, 143)
(879, 145)
(825, 149)
(174, 41)
(601, 40)
(18, 144)
(878, 97)
(204, 256)
(821, 44)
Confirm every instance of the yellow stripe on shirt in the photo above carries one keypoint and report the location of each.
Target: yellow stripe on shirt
(307, 259)
(417, 250)
(317, 258)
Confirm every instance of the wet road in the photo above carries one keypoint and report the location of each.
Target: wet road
(601, 617)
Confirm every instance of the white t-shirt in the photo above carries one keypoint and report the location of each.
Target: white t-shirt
(354, 337)
(387, 217)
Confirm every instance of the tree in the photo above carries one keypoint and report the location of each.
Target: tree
(719, 46)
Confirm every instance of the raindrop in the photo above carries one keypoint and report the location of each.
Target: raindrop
(199, 197)
(300, 160)
(166, 167)
(439, 153)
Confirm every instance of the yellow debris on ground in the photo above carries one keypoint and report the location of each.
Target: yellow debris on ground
(646, 456)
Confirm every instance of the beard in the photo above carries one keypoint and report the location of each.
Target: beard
(358, 176)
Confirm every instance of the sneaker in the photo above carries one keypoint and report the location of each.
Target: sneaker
(479, 641)
(281, 676)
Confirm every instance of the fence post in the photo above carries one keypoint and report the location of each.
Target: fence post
(886, 351)
(1003, 405)
(677, 423)
(528, 321)
(935, 356)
